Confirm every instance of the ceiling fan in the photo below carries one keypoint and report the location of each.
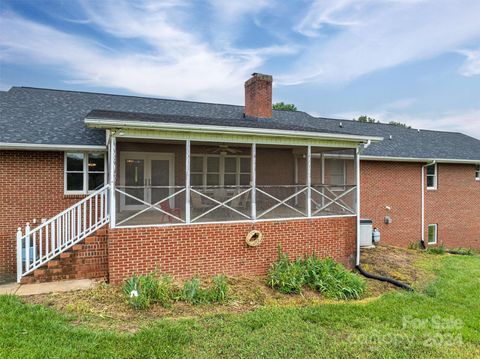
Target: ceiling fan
(224, 149)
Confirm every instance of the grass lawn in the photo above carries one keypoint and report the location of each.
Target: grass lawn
(441, 319)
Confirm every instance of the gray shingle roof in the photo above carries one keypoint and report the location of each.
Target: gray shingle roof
(43, 116)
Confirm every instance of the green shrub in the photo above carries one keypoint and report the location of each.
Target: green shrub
(191, 291)
(325, 276)
(145, 290)
(136, 298)
(286, 276)
(332, 279)
(435, 250)
(218, 292)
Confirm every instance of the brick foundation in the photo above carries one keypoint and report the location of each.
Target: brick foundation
(208, 249)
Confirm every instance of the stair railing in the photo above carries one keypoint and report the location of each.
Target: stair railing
(37, 246)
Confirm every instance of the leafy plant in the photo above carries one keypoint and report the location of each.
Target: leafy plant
(285, 276)
(325, 276)
(135, 297)
(218, 292)
(332, 279)
(191, 291)
(144, 290)
(435, 250)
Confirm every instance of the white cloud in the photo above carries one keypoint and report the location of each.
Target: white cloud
(176, 63)
(471, 66)
(378, 35)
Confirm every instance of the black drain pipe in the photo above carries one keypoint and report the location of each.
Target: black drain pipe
(384, 279)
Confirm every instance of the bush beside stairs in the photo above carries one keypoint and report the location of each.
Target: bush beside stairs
(86, 259)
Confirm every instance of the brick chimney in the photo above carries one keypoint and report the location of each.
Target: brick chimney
(258, 96)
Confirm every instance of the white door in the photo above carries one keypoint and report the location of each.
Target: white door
(147, 176)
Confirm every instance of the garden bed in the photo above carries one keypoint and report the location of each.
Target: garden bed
(106, 306)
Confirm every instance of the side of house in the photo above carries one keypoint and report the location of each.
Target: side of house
(392, 194)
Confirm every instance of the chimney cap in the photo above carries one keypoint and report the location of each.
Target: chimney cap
(261, 76)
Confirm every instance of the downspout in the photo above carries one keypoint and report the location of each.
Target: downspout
(359, 151)
(422, 242)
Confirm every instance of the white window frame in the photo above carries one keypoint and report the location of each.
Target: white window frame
(221, 172)
(335, 187)
(435, 177)
(85, 190)
(477, 172)
(436, 233)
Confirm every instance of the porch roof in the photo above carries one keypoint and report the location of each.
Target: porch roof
(225, 126)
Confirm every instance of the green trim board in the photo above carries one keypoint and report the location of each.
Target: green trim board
(234, 138)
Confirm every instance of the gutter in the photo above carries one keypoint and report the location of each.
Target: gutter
(108, 124)
(417, 159)
(423, 200)
(48, 147)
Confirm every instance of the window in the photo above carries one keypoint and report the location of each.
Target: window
(336, 169)
(219, 170)
(432, 176)
(477, 173)
(84, 172)
(432, 234)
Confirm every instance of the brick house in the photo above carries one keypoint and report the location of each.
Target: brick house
(114, 185)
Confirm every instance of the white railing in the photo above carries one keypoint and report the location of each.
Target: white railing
(37, 246)
(142, 206)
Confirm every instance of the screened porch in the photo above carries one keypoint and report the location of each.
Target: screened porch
(163, 182)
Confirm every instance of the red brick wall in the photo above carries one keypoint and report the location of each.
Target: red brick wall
(31, 187)
(454, 206)
(208, 249)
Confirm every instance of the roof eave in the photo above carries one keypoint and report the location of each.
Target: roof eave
(109, 124)
(50, 147)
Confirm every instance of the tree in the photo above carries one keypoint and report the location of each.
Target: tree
(284, 106)
(400, 124)
(367, 119)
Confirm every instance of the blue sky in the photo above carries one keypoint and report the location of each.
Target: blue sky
(414, 61)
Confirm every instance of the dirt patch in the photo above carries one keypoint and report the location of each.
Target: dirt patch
(105, 305)
(404, 265)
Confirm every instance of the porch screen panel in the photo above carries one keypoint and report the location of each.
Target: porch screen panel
(134, 180)
(335, 192)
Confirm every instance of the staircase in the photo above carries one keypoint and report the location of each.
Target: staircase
(86, 259)
(56, 249)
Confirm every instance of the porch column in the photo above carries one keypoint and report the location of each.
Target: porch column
(112, 174)
(357, 201)
(187, 181)
(309, 181)
(254, 181)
